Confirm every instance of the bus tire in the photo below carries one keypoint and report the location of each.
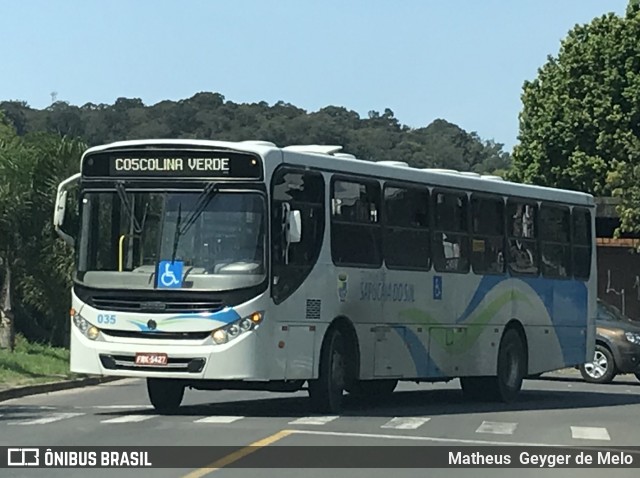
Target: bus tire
(373, 389)
(326, 392)
(512, 366)
(165, 394)
(506, 385)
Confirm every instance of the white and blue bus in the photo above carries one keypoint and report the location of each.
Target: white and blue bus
(222, 265)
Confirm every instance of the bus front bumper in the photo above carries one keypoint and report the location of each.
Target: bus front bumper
(235, 360)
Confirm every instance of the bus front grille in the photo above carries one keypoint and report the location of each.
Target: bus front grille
(133, 334)
(135, 304)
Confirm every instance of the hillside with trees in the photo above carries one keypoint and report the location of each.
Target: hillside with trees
(379, 136)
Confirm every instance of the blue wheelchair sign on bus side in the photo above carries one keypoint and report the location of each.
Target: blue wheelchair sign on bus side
(169, 274)
(437, 287)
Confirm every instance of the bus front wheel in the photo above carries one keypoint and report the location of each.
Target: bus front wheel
(506, 385)
(326, 392)
(165, 394)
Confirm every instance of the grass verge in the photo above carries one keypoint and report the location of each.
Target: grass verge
(33, 363)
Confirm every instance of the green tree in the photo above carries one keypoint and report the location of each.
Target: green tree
(580, 122)
(44, 277)
(625, 174)
(36, 267)
(14, 192)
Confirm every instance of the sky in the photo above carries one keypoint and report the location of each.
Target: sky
(464, 61)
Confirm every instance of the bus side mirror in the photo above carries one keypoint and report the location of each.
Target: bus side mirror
(294, 229)
(61, 207)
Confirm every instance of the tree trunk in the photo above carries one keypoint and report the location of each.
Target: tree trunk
(7, 326)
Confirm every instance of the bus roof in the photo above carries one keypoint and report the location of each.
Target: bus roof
(330, 157)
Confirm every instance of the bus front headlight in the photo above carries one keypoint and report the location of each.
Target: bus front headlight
(93, 332)
(235, 329)
(90, 331)
(220, 336)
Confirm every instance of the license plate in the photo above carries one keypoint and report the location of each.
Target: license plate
(151, 359)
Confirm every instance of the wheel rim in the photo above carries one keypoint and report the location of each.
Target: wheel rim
(598, 367)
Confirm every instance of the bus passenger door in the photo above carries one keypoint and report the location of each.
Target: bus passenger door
(389, 351)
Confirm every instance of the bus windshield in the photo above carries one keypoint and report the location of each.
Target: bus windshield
(218, 236)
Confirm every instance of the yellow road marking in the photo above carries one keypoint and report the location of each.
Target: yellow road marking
(238, 454)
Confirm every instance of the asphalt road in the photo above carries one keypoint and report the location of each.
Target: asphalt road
(552, 411)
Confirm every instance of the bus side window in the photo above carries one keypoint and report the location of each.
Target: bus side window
(522, 233)
(355, 223)
(292, 263)
(451, 235)
(487, 245)
(581, 243)
(555, 247)
(406, 234)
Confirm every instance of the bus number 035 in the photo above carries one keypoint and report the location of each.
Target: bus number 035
(107, 319)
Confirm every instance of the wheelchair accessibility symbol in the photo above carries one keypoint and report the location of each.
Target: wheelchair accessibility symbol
(169, 275)
(437, 287)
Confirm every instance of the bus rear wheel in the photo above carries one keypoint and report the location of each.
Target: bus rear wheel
(165, 394)
(506, 385)
(326, 392)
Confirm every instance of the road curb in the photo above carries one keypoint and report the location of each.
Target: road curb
(53, 387)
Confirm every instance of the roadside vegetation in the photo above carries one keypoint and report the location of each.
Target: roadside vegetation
(32, 363)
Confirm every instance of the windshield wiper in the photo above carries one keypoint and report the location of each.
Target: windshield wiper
(128, 207)
(176, 234)
(203, 201)
(181, 229)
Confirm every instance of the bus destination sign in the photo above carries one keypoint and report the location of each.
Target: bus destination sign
(165, 164)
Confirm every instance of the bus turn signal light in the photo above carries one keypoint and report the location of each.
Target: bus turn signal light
(256, 317)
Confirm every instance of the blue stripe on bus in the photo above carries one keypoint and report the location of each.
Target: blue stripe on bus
(568, 296)
(425, 365)
(226, 316)
(565, 302)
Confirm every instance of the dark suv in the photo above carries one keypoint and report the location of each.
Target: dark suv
(617, 346)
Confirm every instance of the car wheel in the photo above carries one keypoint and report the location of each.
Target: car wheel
(602, 369)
